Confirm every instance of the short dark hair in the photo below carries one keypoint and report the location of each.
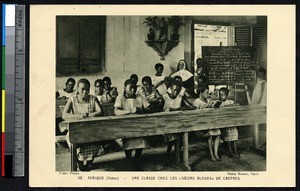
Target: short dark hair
(204, 78)
(158, 65)
(177, 83)
(178, 77)
(134, 77)
(83, 81)
(262, 70)
(100, 81)
(107, 79)
(168, 80)
(200, 62)
(225, 90)
(70, 80)
(147, 79)
(127, 82)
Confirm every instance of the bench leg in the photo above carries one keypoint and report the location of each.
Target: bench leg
(186, 151)
(73, 157)
(177, 150)
(255, 136)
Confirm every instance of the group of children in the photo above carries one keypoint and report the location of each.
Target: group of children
(158, 93)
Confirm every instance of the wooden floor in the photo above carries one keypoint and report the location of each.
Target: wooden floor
(154, 159)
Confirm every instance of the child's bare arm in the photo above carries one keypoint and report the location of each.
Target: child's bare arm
(187, 103)
(98, 111)
(66, 113)
(118, 111)
(186, 94)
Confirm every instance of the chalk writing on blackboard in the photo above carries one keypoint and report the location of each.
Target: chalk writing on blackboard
(230, 64)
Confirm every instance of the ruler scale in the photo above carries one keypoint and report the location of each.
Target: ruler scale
(19, 97)
(14, 91)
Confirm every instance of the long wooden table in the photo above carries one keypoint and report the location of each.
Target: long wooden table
(109, 128)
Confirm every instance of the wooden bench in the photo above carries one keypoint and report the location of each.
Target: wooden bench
(109, 128)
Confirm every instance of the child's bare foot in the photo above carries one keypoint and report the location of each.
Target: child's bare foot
(237, 156)
(212, 158)
(218, 158)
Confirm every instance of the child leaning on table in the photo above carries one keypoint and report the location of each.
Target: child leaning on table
(231, 133)
(173, 100)
(80, 106)
(131, 103)
(214, 134)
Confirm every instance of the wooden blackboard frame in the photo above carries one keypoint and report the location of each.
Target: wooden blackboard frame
(207, 51)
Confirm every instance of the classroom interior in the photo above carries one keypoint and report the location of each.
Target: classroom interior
(94, 47)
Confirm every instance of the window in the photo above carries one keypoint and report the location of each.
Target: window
(255, 36)
(208, 35)
(80, 45)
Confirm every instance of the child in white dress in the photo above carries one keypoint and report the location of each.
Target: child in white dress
(172, 102)
(80, 106)
(158, 77)
(214, 134)
(231, 133)
(130, 103)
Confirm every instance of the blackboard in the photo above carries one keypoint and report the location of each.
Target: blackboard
(229, 65)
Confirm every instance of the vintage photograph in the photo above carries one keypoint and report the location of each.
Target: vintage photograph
(161, 93)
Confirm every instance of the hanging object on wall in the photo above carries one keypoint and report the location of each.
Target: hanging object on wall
(163, 33)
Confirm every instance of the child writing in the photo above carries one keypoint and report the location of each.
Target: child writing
(80, 106)
(130, 103)
(231, 133)
(214, 134)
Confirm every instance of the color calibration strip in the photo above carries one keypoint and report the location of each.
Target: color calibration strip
(13, 83)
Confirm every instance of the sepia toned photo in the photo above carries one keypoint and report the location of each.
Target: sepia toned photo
(161, 93)
(162, 96)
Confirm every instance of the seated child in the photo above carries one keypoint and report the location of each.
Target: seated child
(68, 91)
(203, 101)
(148, 90)
(214, 134)
(158, 77)
(162, 89)
(151, 94)
(110, 93)
(80, 106)
(231, 133)
(172, 102)
(99, 89)
(178, 78)
(130, 103)
(134, 78)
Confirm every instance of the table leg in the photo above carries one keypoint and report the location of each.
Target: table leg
(255, 136)
(73, 157)
(186, 151)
